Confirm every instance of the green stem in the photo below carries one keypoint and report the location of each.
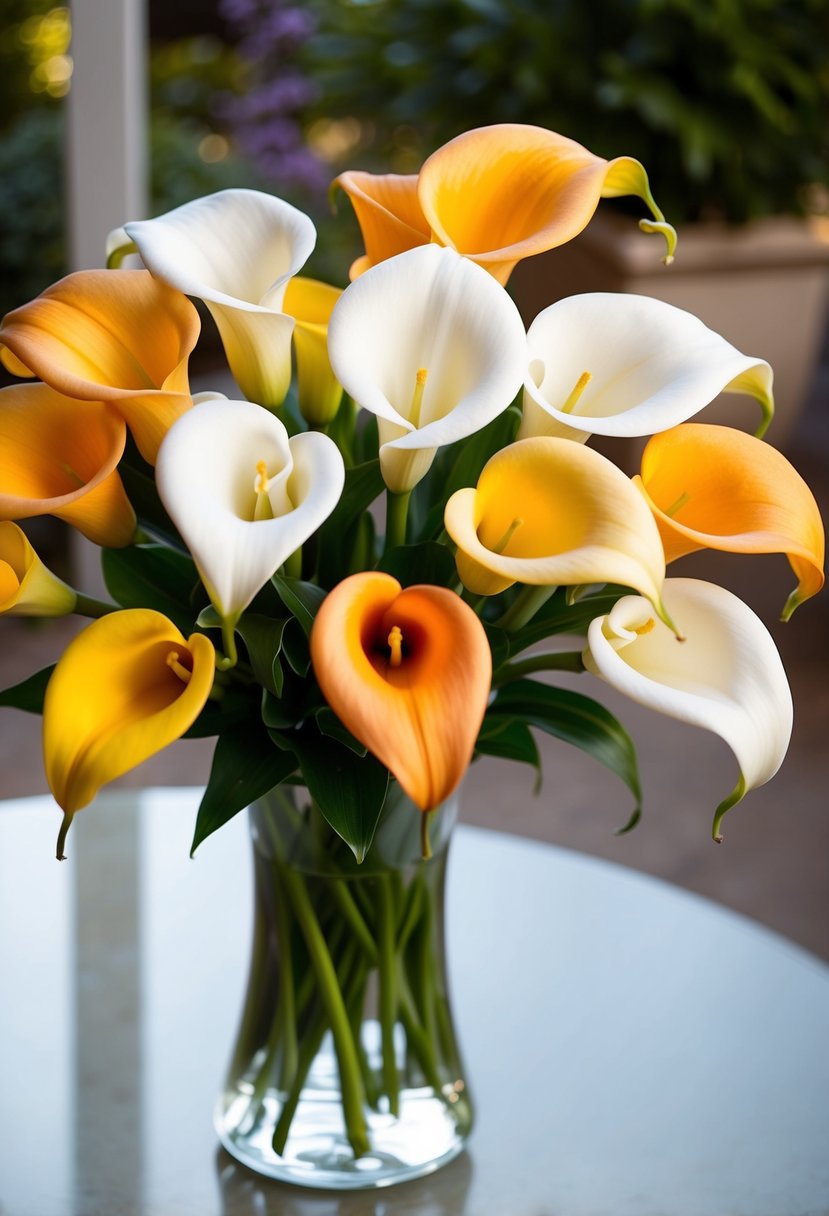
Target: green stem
(550, 660)
(388, 993)
(332, 998)
(345, 902)
(85, 605)
(287, 991)
(293, 564)
(524, 607)
(397, 512)
(411, 912)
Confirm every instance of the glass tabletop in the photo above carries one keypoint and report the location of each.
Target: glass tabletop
(632, 1048)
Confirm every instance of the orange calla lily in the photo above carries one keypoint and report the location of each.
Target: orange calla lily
(125, 688)
(118, 336)
(713, 487)
(57, 458)
(496, 194)
(408, 672)
(388, 212)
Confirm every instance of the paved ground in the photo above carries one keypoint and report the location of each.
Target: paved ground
(774, 864)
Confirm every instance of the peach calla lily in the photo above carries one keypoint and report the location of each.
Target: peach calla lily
(434, 347)
(27, 587)
(57, 458)
(408, 672)
(551, 512)
(243, 495)
(117, 336)
(236, 250)
(496, 194)
(726, 677)
(713, 487)
(388, 212)
(617, 364)
(124, 688)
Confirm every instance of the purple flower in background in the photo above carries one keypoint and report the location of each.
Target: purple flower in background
(266, 119)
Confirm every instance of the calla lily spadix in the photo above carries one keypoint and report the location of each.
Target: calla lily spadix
(117, 336)
(617, 364)
(124, 688)
(408, 672)
(27, 586)
(58, 457)
(236, 250)
(243, 495)
(549, 512)
(727, 677)
(434, 347)
(713, 487)
(496, 194)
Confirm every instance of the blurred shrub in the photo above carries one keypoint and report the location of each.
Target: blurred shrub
(726, 102)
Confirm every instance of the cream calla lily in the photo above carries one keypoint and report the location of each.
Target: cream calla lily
(616, 364)
(434, 347)
(243, 495)
(27, 586)
(548, 512)
(726, 677)
(123, 690)
(59, 459)
(235, 250)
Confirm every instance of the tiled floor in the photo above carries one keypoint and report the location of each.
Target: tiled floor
(774, 864)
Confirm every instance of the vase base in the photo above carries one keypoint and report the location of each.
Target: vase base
(423, 1137)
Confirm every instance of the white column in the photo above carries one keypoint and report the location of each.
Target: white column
(106, 154)
(107, 133)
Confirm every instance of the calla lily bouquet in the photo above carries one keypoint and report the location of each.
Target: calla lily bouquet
(252, 597)
(354, 577)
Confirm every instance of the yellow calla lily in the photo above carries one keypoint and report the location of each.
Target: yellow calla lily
(125, 688)
(713, 487)
(27, 587)
(496, 194)
(408, 672)
(311, 303)
(551, 512)
(388, 212)
(59, 459)
(118, 336)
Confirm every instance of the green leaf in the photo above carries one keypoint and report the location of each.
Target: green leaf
(262, 636)
(302, 600)
(557, 616)
(29, 693)
(425, 563)
(336, 537)
(139, 484)
(499, 644)
(511, 739)
(295, 647)
(350, 790)
(575, 719)
(330, 725)
(278, 713)
(235, 706)
(245, 766)
(152, 576)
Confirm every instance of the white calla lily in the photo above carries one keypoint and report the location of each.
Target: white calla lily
(726, 676)
(434, 347)
(243, 495)
(235, 250)
(610, 363)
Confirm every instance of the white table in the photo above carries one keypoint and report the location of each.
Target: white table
(633, 1050)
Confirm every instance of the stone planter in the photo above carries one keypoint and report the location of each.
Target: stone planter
(764, 287)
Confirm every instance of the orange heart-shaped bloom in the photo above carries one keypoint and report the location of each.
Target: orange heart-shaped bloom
(118, 336)
(713, 487)
(408, 672)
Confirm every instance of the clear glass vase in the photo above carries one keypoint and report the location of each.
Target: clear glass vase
(346, 1072)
